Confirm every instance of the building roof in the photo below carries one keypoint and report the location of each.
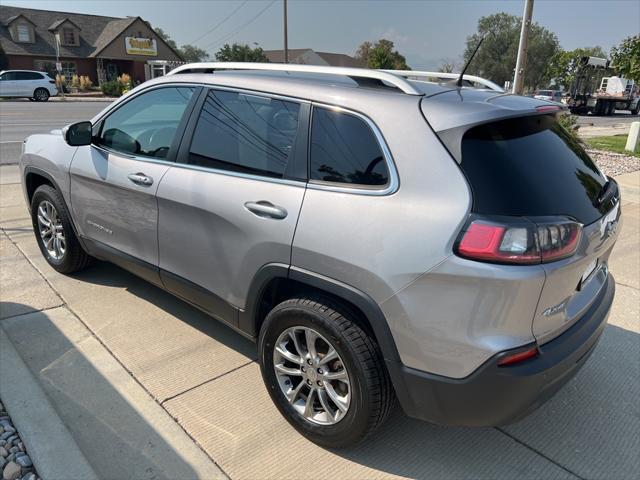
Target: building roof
(96, 32)
(55, 25)
(310, 56)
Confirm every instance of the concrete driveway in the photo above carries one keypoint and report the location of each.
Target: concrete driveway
(125, 364)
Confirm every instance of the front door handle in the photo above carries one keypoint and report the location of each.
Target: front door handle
(266, 210)
(140, 179)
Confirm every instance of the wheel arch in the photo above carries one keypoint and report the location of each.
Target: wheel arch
(34, 177)
(275, 283)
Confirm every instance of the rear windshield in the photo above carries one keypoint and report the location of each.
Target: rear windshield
(531, 166)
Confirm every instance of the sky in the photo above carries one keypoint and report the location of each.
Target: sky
(427, 32)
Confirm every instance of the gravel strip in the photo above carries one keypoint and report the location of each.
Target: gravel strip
(15, 464)
(613, 164)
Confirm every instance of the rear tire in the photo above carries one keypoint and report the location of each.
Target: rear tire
(54, 232)
(41, 94)
(364, 392)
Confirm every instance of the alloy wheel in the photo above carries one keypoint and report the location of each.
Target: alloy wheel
(41, 95)
(312, 376)
(51, 230)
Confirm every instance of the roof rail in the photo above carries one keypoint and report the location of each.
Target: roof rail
(359, 75)
(448, 76)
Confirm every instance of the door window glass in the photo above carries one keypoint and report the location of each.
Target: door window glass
(344, 149)
(245, 133)
(147, 124)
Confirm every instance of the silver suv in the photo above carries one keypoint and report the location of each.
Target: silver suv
(380, 236)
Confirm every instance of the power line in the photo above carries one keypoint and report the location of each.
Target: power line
(230, 35)
(220, 23)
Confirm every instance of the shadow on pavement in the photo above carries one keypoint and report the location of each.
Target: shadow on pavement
(109, 275)
(590, 428)
(85, 385)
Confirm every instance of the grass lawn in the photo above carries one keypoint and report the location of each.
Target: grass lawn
(614, 143)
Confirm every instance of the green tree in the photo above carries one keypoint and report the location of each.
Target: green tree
(563, 64)
(192, 53)
(166, 37)
(240, 53)
(381, 55)
(189, 53)
(447, 67)
(496, 59)
(625, 58)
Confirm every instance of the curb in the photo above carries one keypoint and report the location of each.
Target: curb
(40, 428)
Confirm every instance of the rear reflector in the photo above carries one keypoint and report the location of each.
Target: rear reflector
(519, 241)
(518, 357)
(548, 108)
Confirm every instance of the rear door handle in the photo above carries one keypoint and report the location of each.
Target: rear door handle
(140, 179)
(266, 209)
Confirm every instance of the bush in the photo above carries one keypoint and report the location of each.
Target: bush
(112, 88)
(60, 81)
(75, 81)
(125, 82)
(85, 83)
(570, 124)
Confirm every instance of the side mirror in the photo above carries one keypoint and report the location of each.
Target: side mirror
(78, 134)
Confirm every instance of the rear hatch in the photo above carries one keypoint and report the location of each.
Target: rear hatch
(527, 167)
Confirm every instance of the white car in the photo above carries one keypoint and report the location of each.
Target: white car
(549, 95)
(38, 86)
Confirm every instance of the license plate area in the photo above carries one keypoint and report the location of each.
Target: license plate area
(586, 276)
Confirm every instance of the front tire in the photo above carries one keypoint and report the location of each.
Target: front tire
(324, 373)
(41, 95)
(54, 233)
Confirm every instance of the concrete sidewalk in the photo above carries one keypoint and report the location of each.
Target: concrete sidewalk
(130, 369)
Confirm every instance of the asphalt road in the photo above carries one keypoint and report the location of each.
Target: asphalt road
(621, 117)
(19, 119)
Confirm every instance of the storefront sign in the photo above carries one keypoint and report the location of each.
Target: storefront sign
(141, 46)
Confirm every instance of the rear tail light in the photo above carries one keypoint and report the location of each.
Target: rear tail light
(518, 357)
(519, 241)
(52, 81)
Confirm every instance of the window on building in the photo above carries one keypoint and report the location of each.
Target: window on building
(245, 133)
(24, 32)
(68, 36)
(69, 70)
(345, 150)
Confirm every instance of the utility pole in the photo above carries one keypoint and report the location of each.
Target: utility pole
(521, 63)
(286, 40)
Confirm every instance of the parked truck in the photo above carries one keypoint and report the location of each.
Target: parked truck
(596, 89)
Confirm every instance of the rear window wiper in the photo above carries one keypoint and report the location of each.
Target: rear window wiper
(608, 191)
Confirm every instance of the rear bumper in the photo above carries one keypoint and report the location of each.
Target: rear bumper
(495, 395)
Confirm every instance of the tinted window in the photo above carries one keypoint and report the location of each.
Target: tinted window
(8, 76)
(147, 124)
(345, 150)
(28, 76)
(531, 166)
(245, 133)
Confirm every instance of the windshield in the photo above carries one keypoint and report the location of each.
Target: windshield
(531, 166)
(547, 93)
